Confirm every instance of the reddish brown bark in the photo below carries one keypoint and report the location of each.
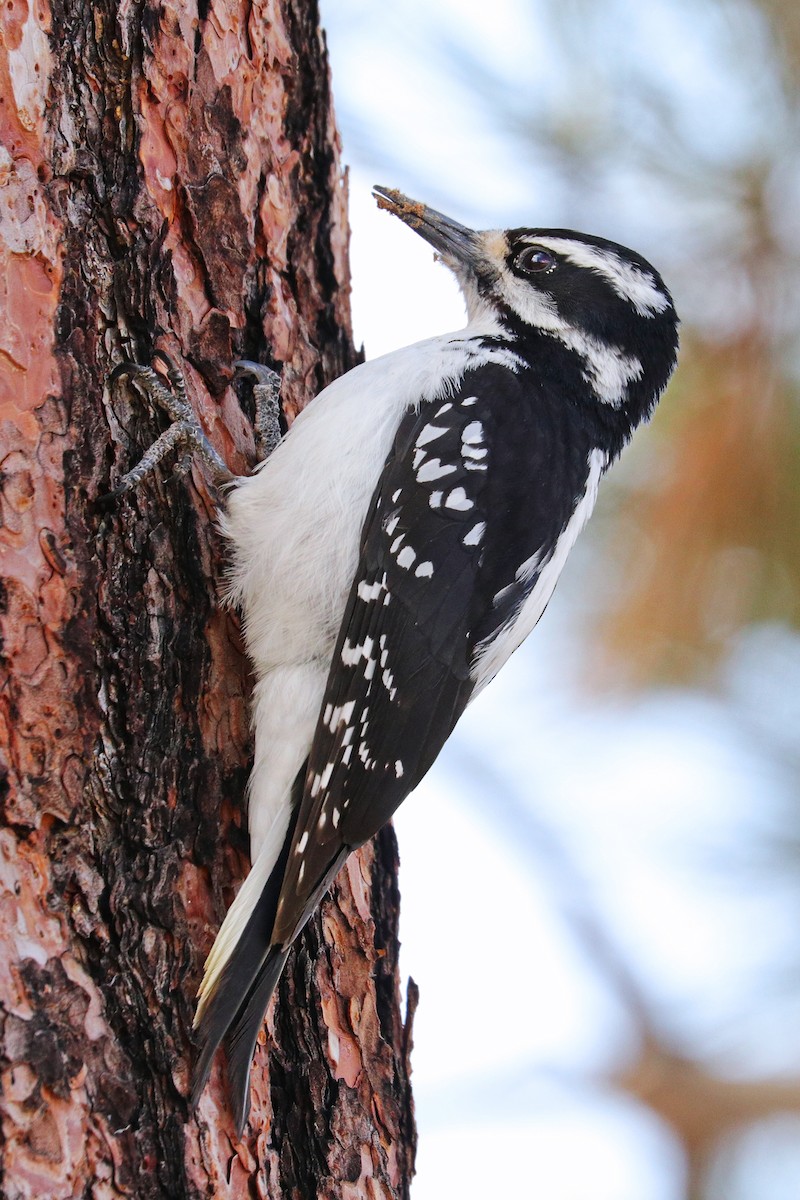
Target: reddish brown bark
(169, 179)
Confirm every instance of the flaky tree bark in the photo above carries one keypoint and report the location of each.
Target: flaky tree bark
(170, 181)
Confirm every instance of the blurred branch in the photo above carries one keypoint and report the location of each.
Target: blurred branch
(700, 1108)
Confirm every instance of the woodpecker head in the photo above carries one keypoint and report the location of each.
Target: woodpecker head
(601, 301)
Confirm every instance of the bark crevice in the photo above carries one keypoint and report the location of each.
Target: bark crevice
(185, 190)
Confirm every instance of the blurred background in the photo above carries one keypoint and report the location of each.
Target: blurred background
(601, 876)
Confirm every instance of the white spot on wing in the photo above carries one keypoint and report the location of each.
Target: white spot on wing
(406, 557)
(367, 591)
(423, 571)
(475, 534)
(473, 433)
(458, 500)
(352, 654)
(326, 774)
(434, 469)
(429, 434)
(398, 769)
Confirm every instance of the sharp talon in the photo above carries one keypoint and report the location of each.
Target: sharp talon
(125, 370)
(109, 498)
(261, 374)
(163, 357)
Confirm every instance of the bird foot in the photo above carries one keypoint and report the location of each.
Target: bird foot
(266, 394)
(185, 434)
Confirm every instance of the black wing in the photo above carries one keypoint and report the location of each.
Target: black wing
(474, 487)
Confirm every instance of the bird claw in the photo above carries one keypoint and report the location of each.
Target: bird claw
(168, 392)
(184, 433)
(266, 394)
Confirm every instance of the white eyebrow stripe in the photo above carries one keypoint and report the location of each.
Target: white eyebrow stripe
(630, 282)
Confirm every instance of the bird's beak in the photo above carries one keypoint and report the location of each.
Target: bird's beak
(451, 240)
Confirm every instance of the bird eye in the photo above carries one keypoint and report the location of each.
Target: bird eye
(533, 259)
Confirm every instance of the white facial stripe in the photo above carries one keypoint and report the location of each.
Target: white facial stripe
(608, 369)
(630, 282)
(535, 307)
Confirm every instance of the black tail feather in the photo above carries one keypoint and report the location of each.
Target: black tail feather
(243, 1030)
(241, 972)
(234, 983)
(241, 1041)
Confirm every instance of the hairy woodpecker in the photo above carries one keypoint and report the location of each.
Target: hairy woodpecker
(396, 548)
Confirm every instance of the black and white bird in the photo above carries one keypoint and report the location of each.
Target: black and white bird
(398, 546)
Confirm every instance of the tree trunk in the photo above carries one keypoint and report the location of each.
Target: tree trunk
(170, 180)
